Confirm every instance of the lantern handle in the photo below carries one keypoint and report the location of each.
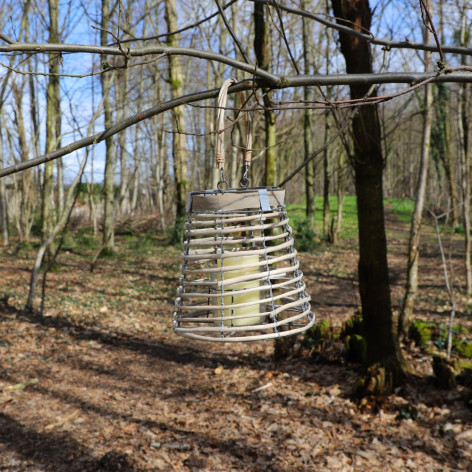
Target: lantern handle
(244, 182)
(220, 129)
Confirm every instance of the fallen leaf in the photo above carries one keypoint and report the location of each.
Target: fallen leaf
(63, 421)
(22, 385)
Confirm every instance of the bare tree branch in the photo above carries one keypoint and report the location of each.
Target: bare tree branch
(231, 32)
(424, 7)
(6, 38)
(297, 81)
(139, 52)
(181, 30)
(370, 37)
(284, 36)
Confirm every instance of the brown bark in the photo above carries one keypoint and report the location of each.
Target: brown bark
(53, 117)
(108, 234)
(263, 57)
(308, 95)
(379, 331)
(466, 160)
(176, 90)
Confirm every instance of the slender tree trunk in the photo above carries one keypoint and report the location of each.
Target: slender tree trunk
(108, 234)
(383, 351)
(308, 95)
(326, 179)
(178, 139)
(326, 152)
(441, 146)
(26, 181)
(57, 229)
(409, 299)
(441, 134)
(262, 46)
(121, 87)
(463, 124)
(3, 199)
(52, 120)
(340, 194)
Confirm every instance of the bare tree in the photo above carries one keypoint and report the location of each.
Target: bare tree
(404, 320)
(53, 128)
(308, 95)
(108, 232)
(176, 90)
(374, 285)
(262, 46)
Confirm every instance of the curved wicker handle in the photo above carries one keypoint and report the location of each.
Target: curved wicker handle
(220, 127)
(220, 123)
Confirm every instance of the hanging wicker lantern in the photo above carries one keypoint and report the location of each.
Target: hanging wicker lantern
(240, 276)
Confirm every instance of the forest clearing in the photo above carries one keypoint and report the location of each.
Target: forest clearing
(175, 171)
(100, 382)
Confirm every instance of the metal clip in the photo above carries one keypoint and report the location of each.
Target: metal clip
(222, 181)
(244, 182)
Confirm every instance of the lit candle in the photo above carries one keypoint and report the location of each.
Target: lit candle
(252, 297)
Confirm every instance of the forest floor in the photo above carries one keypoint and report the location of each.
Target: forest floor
(101, 383)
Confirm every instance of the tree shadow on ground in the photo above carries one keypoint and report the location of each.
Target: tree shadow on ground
(57, 452)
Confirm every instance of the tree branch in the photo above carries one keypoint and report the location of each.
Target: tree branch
(231, 32)
(181, 30)
(297, 81)
(370, 37)
(139, 52)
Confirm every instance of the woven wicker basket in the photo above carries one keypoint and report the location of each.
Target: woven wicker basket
(240, 276)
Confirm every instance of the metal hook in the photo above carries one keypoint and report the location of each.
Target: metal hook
(222, 181)
(244, 182)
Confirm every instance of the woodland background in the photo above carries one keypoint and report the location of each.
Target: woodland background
(91, 377)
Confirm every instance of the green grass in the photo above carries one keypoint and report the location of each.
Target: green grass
(402, 208)
(297, 216)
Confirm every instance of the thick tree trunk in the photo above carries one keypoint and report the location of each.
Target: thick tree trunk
(262, 50)
(383, 350)
(176, 90)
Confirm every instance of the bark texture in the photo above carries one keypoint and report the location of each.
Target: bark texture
(263, 55)
(308, 95)
(379, 331)
(53, 117)
(108, 235)
(176, 90)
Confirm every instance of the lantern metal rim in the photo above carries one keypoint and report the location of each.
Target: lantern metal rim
(296, 329)
(233, 190)
(211, 203)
